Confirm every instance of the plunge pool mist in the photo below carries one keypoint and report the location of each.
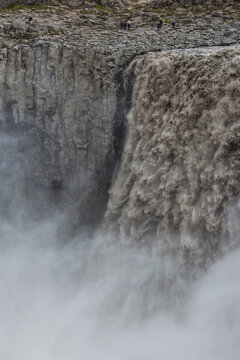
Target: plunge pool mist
(88, 299)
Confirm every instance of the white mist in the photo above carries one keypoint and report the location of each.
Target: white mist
(66, 303)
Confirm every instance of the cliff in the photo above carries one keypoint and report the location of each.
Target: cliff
(66, 87)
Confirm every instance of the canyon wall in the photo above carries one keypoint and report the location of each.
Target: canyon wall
(55, 96)
(68, 97)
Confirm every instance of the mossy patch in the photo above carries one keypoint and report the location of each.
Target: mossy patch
(53, 32)
(26, 36)
(100, 7)
(169, 12)
(24, 6)
(5, 46)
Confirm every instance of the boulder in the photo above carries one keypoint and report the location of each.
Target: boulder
(19, 27)
(217, 14)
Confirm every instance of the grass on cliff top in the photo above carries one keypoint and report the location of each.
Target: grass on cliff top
(22, 6)
(168, 12)
(26, 36)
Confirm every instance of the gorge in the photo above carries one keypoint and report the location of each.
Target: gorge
(119, 189)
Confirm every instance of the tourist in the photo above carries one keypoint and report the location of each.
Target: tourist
(159, 25)
(121, 24)
(30, 20)
(173, 24)
(129, 24)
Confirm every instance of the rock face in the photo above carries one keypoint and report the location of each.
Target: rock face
(180, 167)
(56, 95)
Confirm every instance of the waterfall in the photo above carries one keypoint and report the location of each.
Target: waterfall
(179, 174)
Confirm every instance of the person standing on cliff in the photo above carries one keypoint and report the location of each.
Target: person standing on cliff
(129, 24)
(30, 20)
(173, 24)
(159, 25)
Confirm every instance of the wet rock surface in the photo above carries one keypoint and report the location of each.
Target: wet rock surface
(179, 175)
